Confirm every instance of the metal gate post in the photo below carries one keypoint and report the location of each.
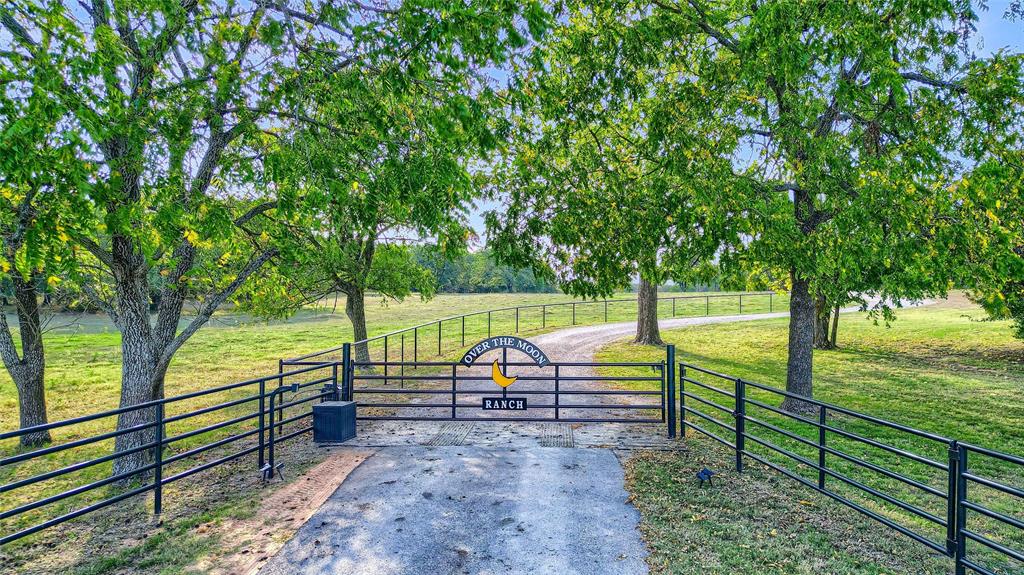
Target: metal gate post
(386, 358)
(278, 394)
(346, 375)
(557, 375)
(488, 324)
(951, 497)
(682, 400)
(270, 441)
(574, 313)
(401, 370)
(543, 316)
(158, 461)
(606, 311)
(334, 381)
(263, 422)
(741, 422)
(463, 331)
(707, 305)
(769, 303)
(438, 337)
(670, 360)
(280, 383)
(517, 319)
(961, 510)
(822, 416)
(416, 347)
(454, 396)
(741, 303)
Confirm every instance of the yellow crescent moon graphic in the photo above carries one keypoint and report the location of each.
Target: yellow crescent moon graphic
(499, 377)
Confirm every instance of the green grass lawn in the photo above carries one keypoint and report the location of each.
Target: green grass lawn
(755, 523)
(83, 370)
(937, 369)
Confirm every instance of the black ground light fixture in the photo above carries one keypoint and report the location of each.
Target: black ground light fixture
(705, 475)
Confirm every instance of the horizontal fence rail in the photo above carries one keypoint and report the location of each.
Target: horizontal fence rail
(177, 440)
(434, 338)
(918, 483)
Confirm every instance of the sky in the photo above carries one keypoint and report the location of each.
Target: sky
(994, 33)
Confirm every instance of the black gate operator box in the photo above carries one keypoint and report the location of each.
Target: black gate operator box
(334, 421)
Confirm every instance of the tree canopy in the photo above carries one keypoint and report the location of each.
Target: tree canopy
(175, 106)
(824, 140)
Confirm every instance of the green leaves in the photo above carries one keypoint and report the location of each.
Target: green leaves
(381, 157)
(167, 122)
(817, 139)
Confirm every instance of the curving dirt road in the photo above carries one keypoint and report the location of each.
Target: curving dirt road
(582, 342)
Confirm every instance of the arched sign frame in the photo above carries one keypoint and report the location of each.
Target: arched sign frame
(519, 344)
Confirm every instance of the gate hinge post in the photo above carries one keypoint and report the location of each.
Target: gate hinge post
(741, 420)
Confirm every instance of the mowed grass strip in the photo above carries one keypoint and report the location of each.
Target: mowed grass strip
(755, 523)
(938, 369)
(83, 372)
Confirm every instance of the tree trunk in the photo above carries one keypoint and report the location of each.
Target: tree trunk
(822, 321)
(138, 358)
(31, 403)
(31, 390)
(801, 346)
(147, 350)
(355, 309)
(647, 315)
(835, 327)
(27, 371)
(137, 386)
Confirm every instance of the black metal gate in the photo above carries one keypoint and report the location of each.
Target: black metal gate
(637, 392)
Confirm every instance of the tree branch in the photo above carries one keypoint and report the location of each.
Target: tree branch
(787, 187)
(215, 302)
(933, 82)
(96, 250)
(101, 303)
(314, 21)
(702, 23)
(17, 30)
(255, 211)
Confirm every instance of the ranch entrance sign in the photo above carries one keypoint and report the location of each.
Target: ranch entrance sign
(504, 342)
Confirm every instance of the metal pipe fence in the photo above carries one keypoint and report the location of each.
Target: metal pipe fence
(435, 338)
(920, 484)
(86, 485)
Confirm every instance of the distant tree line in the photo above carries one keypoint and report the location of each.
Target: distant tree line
(478, 272)
(712, 285)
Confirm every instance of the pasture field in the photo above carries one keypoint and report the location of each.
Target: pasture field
(939, 369)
